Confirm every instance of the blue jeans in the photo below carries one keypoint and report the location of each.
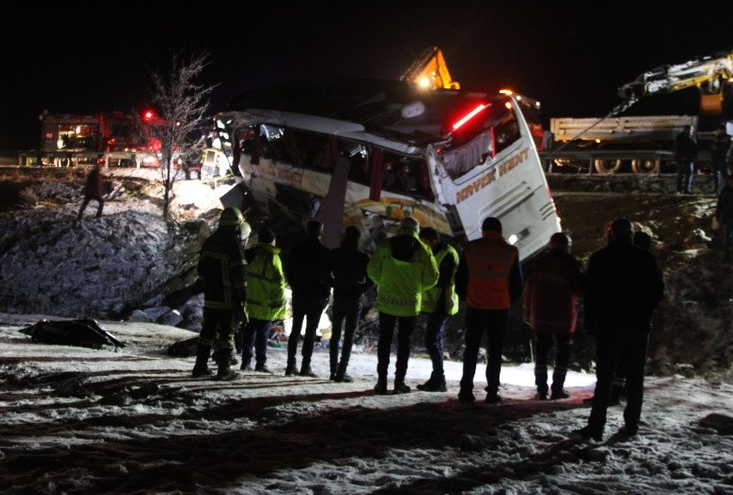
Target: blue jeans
(434, 332)
(685, 172)
(255, 341)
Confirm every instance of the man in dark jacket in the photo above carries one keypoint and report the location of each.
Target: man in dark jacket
(222, 270)
(93, 190)
(489, 280)
(685, 154)
(623, 287)
(553, 285)
(349, 279)
(724, 214)
(308, 273)
(719, 148)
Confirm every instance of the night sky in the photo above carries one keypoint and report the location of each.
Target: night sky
(571, 55)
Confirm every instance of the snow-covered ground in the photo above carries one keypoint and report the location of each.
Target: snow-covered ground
(78, 420)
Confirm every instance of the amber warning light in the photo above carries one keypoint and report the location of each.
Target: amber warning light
(469, 116)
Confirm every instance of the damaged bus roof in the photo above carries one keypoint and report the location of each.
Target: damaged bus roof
(395, 110)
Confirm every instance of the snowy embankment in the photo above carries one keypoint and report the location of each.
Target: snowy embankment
(77, 420)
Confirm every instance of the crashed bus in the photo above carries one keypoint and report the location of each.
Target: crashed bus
(369, 153)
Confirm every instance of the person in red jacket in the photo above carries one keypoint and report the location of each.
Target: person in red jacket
(93, 189)
(552, 287)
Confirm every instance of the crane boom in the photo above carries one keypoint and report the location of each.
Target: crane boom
(430, 71)
(709, 74)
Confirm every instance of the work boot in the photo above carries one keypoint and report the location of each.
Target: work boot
(262, 368)
(291, 369)
(343, 378)
(307, 371)
(559, 394)
(381, 387)
(400, 387)
(224, 371)
(466, 396)
(433, 386)
(201, 368)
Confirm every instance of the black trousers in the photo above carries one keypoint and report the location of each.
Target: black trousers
(87, 199)
(493, 322)
(405, 327)
(610, 348)
(311, 312)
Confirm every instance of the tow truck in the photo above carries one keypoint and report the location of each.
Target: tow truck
(644, 144)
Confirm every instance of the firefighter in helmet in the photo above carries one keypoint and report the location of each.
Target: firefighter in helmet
(222, 269)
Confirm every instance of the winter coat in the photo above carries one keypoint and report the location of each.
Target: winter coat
(442, 297)
(309, 272)
(685, 148)
(489, 274)
(348, 273)
(222, 270)
(94, 187)
(623, 287)
(265, 283)
(552, 287)
(402, 267)
(724, 207)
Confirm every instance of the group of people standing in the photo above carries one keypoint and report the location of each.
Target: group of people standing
(685, 155)
(416, 272)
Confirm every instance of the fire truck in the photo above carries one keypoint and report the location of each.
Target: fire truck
(122, 139)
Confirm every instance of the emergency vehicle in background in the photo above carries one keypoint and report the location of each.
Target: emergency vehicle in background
(122, 139)
(645, 144)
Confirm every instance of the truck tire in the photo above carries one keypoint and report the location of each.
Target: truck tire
(606, 167)
(645, 166)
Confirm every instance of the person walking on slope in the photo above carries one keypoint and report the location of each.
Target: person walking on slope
(266, 303)
(308, 273)
(623, 287)
(349, 280)
(402, 267)
(439, 303)
(685, 154)
(222, 269)
(489, 279)
(93, 190)
(552, 287)
(724, 214)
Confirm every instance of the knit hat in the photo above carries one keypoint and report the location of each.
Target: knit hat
(409, 223)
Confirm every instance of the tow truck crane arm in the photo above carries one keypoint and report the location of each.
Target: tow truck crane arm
(709, 74)
(430, 71)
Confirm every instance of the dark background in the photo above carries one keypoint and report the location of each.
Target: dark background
(91, 57)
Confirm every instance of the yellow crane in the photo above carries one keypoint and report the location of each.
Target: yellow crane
(430, 71)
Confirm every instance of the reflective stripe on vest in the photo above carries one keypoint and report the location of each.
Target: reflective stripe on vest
(489, 262)
(430, 296)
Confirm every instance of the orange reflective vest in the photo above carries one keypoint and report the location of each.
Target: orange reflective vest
(489, 260)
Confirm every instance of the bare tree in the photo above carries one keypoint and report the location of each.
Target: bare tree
(182, 103)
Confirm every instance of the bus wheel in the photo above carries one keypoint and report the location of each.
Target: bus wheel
(606, 167)
(647, 166)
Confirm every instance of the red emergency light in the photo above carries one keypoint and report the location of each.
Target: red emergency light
(148, 115)
(469, 116)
